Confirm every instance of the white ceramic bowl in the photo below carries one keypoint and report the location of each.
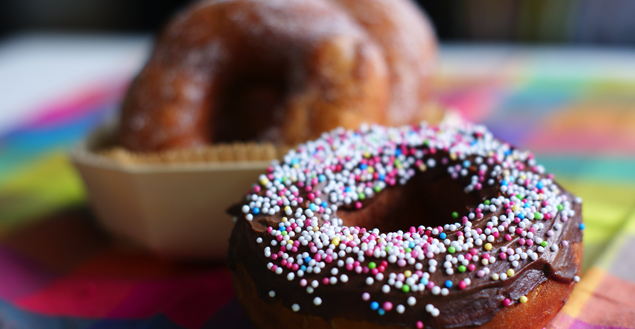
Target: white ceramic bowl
(175, 210)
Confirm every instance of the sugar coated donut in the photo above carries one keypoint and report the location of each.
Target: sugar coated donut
(417, 226)
(279, 70)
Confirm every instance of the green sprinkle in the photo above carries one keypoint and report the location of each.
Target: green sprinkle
(372, 265)
(544, 244)
(461, 268)
(387, 248)
(486, 202)
(377, 188)
(408, 250)
(284, 233)
(455, 214)
(560, 207)
(361, 196)
(537, 215)
(451, 249)
(405, 288)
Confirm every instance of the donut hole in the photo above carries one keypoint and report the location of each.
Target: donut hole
(250, 102)
(427, 199)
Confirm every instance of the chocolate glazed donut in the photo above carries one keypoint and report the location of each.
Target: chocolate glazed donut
(278, 70)
(406, 227)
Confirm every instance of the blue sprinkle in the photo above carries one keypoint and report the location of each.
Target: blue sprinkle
(442, 235)
(307, 259)
(508, 152)
(527, 205)
(382, 177)
(521, 216)
(411, 245)
(381, 311)
(303, 268)
(321, 178)
(582, 226)
(374, 306)
(256, 210)
(466, 163)
(504, 182)
(539, 185)
(313, 207)
(448, 284)
(424, 281)
(363, 166)
(397, 152)
(324, 204)
(347, 189)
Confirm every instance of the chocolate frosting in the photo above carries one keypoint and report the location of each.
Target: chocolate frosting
(423, 200)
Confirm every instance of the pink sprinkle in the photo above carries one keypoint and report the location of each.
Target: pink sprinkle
(510, 251)
(462, 285)
(387, 306)
(274, 267)
(521, 241)
(349, 267)
(486, 256)
(358, 269)
(508, 237)
(328, 259)
(503, 255)
(401, 262)
(507, 302)
(530, 242)
(496, 234)
(419, 325)
(366, 269)
(480, 273)
(358, 205)
(318, 257)
(374, 271)
(313, 249)
(295, 267)
(365, 296)
(283, 262)
(325, 280)
(269, 229)
(471, 267)
(257, 188)
(565, 243)
(519, 231)
(532, 230)
(274, 256)
(430, 285)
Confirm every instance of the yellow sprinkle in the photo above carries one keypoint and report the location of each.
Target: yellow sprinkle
(453, 156)
(366, 154)
(336, 241)
(284, 219)
(423, 167)
(370, 170)
(407, 273)
(287, 208)
(523, 299)
(488, 246)
(495, 277)
(515, 207)
(510, 272)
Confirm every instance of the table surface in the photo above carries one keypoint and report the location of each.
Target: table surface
(574, 107)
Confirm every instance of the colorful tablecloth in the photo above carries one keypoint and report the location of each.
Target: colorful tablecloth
(574, 107)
